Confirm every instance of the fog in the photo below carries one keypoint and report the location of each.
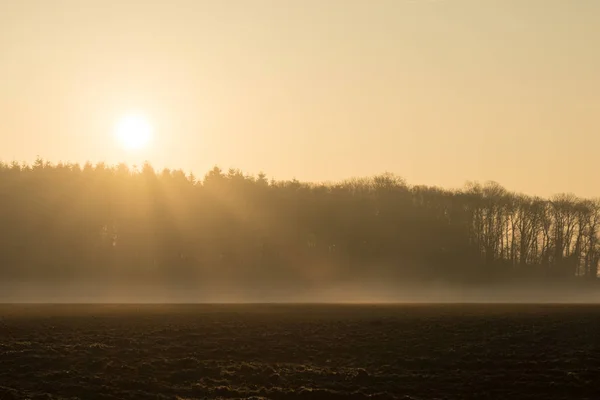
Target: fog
(367, 292)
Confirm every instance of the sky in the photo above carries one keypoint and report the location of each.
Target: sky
(439, 92)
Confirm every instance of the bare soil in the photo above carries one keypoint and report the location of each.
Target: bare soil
(299, 351)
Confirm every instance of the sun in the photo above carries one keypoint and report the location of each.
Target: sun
(134, 132)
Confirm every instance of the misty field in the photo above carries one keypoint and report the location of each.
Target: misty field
(299, 351)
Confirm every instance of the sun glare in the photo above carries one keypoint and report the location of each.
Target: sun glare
(133, 132)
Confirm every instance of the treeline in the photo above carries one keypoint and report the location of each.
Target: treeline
(97, 222)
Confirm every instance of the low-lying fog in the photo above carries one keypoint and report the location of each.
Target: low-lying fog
(374, 292)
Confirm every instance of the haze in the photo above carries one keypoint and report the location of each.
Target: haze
(439, 92)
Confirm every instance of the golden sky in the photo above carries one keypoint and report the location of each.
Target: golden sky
(439, 92)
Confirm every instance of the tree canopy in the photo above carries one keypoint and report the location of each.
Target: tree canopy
(67, 221)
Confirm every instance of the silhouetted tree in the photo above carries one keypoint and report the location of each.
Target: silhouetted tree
(68, 221)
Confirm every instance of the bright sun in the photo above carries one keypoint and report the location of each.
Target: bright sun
(133, 132)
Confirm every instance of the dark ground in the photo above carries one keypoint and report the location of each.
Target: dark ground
(299, 351)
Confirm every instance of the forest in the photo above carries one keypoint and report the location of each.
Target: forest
(113, 223)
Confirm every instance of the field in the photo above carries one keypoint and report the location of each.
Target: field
(299, 351)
